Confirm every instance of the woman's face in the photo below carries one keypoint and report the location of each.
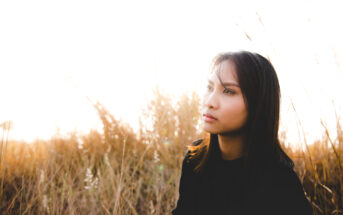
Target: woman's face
(225, 105)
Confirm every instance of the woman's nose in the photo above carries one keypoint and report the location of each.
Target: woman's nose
(211, 101)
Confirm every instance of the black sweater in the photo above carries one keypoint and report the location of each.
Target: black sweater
(220, 191)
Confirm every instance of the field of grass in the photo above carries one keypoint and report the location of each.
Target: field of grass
(118, 171)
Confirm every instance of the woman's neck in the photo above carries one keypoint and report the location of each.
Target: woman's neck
(231, 147)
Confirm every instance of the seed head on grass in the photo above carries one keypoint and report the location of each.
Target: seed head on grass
(91, 181)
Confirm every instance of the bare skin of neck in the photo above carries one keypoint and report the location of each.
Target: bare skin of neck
(231, 147)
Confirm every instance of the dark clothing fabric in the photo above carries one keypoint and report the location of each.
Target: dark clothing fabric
(221, 191)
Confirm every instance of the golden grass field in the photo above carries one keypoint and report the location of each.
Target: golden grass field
(122, 172)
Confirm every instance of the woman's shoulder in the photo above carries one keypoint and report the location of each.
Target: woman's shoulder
(284, 175)
(283, 189)
(280, 176)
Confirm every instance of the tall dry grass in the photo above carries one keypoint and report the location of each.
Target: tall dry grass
(118, 171)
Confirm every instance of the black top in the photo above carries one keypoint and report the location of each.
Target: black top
(220, 191)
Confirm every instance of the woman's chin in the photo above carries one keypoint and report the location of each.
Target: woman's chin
(210, 129)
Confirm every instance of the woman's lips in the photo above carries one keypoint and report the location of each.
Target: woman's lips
(209, 118)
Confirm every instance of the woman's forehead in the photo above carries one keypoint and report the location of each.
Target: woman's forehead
(226, 71)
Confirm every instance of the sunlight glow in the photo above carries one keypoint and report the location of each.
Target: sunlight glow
(54, 54)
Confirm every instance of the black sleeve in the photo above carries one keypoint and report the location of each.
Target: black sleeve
(185, 204)
(288, 195)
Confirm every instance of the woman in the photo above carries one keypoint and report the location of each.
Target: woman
(240, 167)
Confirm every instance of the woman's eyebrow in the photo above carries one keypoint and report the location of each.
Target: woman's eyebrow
(226, 83)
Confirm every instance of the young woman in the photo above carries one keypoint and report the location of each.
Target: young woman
(240, 167)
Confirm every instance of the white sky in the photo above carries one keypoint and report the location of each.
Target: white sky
(116, 51)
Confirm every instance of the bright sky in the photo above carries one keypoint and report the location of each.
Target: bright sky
(116, 51)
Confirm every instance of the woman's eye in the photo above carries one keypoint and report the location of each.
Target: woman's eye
(209, 87)
(228, 91)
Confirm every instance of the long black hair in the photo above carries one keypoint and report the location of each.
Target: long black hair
(261, 92)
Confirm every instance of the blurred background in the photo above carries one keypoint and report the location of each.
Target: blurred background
(52, 54)
(78, 74)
